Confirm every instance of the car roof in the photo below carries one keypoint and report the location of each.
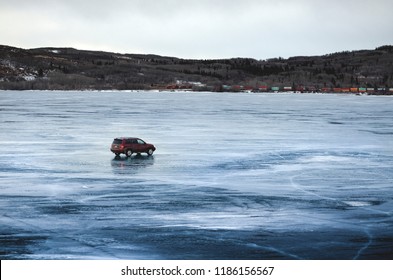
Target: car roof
(127, 138)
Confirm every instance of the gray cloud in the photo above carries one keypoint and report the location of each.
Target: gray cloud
(200, 29)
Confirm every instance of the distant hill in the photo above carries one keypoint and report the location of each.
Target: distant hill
(72, 69)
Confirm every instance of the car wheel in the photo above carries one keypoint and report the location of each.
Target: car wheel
(117, 154)
(150, 152)
(129, 153)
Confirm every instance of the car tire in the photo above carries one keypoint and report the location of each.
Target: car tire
(128, 153)
(150, 152)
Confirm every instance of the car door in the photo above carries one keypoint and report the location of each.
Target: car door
(141, 146)
(130, 144)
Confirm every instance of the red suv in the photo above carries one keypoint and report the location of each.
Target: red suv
(130, 145)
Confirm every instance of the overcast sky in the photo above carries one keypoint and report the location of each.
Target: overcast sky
(199, 29)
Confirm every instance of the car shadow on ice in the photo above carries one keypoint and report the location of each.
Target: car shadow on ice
(125, 164)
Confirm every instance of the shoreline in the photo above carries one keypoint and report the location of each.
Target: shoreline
(196, 92)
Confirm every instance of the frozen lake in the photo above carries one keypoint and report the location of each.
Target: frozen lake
(234, 176)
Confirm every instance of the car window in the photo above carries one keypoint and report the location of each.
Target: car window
(140, 142)
(117, 141)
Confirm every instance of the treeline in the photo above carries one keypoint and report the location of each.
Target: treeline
(67, 68)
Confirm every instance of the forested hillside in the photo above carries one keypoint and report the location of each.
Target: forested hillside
(72, 69)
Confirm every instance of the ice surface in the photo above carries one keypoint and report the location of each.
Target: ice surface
(235, 176)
